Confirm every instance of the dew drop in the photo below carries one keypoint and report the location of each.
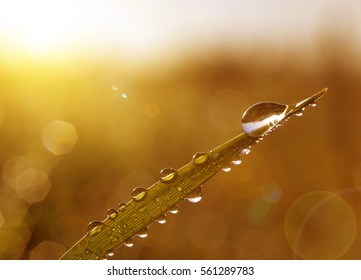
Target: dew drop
(94, 228)
(121, 206)
(138, 194)
(167, 174)
(196, 195)
(112, 213)
(313, 104)
(114, 87)
(245, 151)
(199, 158)
(110, 253)
(237, 160)
(174, 209)
(299, 114)
(123, 95)
(162, 219)
(227, 168)
(143, 233)
(129, 243)
(262, 117)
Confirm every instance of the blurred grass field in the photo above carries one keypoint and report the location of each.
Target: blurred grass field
(79, 131)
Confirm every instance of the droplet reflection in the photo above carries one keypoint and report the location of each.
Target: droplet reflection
(196, 195)
(262, 117)
(138, 194)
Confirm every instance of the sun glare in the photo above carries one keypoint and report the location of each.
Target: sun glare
(39, 27)
(51, 28)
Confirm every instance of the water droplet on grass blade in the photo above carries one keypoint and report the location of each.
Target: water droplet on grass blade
(94, 228)
(196, 195)
(262, 117)
(112, 213)
(245, 151)
(174, 209)
(143, 233)
(299, 114)
(121, 206)
(162, 219)
(167, 174)
(138, 194)
(129, 243)
(199, 158)
(237, 160)
(110, 253)
(227, 168)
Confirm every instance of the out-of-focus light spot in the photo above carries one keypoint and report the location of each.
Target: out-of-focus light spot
(206, 230)
(225, 109)
(15, 166)
(271, 192)
(320, 225)
(13, 209)
(59, 137)
(152, 110)
(122, 90)
(47, 250)
(258, 211)
(12, 244)
(31, 184)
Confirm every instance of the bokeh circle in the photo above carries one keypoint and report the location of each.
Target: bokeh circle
(320, 225)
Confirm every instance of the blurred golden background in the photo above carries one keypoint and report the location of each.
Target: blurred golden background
(96, 97)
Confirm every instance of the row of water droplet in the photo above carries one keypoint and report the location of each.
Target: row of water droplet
(139, 193)
(257, 122)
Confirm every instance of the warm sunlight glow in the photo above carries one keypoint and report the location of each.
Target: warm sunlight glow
(39, 27)
(45, 28)
(142, 29)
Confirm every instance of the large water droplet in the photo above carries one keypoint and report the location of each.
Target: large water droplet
(138, 194)
(94, 228)
(129, 243)
(143, 233)
(262, 117)
(112, 213)
(162, 219)
(196, 195)
(167, 174)
(199, 158)
(174, 209)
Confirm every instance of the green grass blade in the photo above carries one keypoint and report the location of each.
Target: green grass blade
(162, 196)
